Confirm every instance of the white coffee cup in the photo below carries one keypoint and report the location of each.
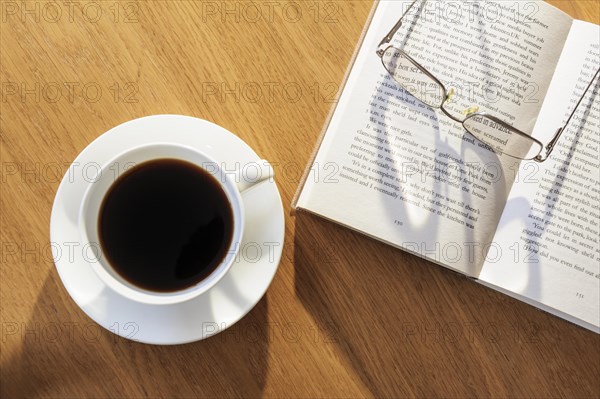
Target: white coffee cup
(233, 183)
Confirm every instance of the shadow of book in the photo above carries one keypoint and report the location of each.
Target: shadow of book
(408, 328)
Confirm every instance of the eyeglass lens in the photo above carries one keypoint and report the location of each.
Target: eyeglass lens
(413, 78)
(500, 136)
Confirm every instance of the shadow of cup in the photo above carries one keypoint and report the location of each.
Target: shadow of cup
(63, 353)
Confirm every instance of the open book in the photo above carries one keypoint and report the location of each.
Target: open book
(393, 168)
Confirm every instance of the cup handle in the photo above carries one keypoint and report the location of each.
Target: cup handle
(252, 174)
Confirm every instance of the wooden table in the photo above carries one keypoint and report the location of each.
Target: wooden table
(334, 323)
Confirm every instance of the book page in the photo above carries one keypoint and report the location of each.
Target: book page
(550, 226)
(397, 170)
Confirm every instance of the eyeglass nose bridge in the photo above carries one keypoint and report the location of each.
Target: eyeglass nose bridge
(450, 115)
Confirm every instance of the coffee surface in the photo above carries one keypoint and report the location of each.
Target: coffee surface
(165, 225)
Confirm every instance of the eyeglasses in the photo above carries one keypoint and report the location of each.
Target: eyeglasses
(425, 87)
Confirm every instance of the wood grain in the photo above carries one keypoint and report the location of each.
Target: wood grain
(346, 316)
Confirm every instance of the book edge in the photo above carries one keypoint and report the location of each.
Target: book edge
(389, 243)
(542, 307)
(332, 110)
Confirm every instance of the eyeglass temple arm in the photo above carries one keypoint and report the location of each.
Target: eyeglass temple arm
(388, 38)
(560, 130)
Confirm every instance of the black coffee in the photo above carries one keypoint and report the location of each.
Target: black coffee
(165, 225)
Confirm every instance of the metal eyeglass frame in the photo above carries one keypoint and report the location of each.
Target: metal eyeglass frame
(541, 157)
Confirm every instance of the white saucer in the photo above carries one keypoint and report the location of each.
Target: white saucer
(228, 301)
